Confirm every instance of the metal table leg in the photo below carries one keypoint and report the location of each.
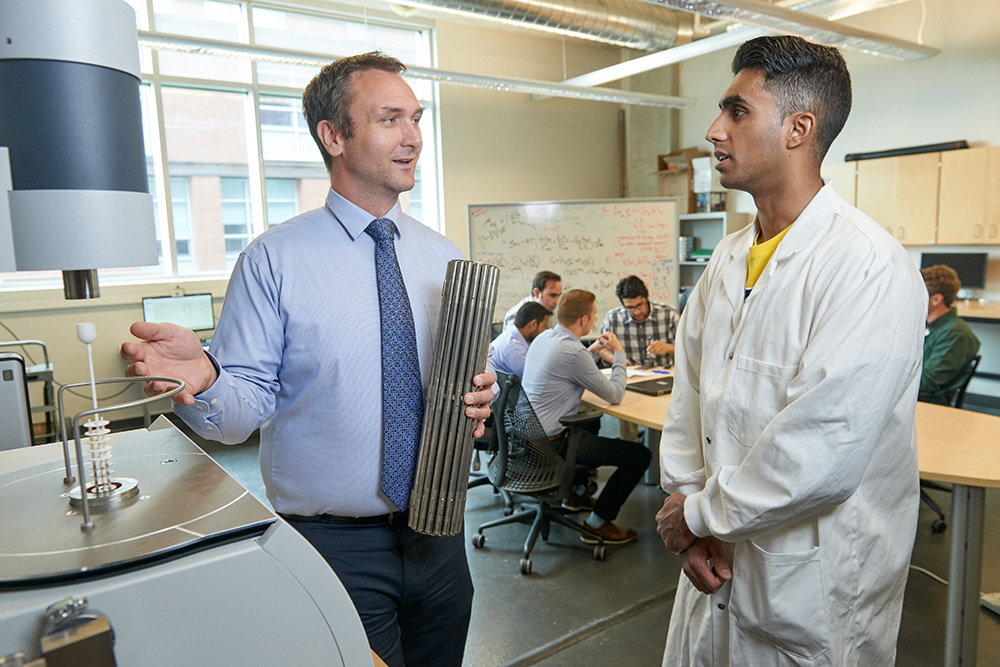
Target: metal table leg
(964, 572)
(653, 444)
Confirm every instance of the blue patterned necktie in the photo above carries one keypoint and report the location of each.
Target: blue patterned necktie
(402, 392)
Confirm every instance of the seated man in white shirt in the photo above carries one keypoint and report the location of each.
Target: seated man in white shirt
(510, 348)
(557, 370)
(546, 289)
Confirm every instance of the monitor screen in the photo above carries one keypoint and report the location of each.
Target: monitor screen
(970, 266)
(192, 311)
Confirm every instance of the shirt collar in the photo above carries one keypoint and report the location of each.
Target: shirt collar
(355, 219)
(943, 317)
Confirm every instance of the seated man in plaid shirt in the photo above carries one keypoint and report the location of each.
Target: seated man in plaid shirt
(646, 331)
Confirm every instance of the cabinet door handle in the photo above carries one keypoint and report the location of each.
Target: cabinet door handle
(902, 232)
(993, 231)
(979, 232)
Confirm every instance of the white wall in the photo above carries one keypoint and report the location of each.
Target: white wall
(953, 95)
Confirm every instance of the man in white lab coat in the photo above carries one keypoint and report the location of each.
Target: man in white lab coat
(789, 449)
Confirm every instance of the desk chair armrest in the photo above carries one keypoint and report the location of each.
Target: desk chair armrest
(580, 419)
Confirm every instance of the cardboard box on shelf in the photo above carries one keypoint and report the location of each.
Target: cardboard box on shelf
(675, 177)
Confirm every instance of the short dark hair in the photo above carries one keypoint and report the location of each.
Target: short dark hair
(942, 279)
(329, 96)
(631, 287)
(542, 278)
(802, 76)
(530, 311)
(573, 305)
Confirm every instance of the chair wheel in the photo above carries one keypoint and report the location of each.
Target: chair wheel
(591, 487)
(599, 553)
(939, 526)
(507, 511)
(478, 540)
(525, 566)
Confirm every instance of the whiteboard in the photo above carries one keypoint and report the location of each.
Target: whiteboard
(592, 244)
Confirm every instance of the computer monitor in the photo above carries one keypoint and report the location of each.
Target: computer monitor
(192, 311)
(970, 266)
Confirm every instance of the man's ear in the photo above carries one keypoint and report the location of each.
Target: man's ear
(801, 129)
(332, 138)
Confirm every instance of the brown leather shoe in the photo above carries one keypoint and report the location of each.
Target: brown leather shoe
(577, 502)
(612, 534)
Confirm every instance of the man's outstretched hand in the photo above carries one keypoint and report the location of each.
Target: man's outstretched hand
(167, 350)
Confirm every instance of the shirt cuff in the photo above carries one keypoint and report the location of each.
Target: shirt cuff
(200, 415)
(693, 516)
(620, 358)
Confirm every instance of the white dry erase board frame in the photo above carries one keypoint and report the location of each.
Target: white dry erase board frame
(591, 243)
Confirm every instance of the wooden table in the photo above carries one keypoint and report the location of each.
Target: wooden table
(954, 446)
(973, 310)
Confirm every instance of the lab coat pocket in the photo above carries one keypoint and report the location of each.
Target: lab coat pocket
(757, 393)
(779, 599)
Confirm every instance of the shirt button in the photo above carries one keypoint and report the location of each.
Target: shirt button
(214, 401)
(730, 356)
(199, 406)
(208, 427)
(722, 606)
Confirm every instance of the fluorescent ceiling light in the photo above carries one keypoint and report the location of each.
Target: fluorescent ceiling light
(736, 34)
(162, 41)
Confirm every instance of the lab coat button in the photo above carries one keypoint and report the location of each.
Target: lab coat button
(708, 441)
(731, 356)
(722, 606)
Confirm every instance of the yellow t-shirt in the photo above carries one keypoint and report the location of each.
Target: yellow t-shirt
(760, 254)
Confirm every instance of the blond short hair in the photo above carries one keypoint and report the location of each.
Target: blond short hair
(573, 305)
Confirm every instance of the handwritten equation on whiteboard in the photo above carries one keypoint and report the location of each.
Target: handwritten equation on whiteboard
(591, 244)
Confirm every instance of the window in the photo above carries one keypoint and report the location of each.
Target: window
(282, 200)
(226, 138)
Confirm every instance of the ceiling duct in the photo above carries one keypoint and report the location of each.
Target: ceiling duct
(636, 25)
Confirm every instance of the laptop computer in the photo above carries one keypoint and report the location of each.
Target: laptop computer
(654, 387)
(191, 311)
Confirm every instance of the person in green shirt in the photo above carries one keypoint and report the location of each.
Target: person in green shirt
(949, 344)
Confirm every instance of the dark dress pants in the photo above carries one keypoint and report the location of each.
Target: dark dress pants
(413, 592)
(630, 460)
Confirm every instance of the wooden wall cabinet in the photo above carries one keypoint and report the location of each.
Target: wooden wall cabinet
(844, 176)
(962, 217)
(901, 194)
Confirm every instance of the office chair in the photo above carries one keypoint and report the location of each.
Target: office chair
(477, 477)
(528, 463)
(939, 525)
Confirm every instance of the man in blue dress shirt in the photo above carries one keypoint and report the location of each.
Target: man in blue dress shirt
(510, 348)
(297, 354)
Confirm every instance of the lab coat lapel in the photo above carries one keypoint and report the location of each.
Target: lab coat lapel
(734, 275)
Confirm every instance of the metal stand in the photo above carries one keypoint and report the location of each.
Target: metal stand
(123, 488)
(968, 505)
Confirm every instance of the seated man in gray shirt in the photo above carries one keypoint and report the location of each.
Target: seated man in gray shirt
(556, 371)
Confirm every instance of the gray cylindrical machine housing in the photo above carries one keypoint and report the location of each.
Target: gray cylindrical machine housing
(69, 78)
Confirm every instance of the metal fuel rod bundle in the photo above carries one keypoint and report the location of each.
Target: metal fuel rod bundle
(469, 294)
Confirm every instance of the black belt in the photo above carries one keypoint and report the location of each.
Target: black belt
(379, 520)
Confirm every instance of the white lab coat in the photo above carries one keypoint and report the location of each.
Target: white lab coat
(791, 431)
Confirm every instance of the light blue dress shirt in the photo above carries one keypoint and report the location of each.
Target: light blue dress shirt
(557, 370)
(507, 352)
(298, 346)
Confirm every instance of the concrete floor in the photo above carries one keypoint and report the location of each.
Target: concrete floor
(573, 610)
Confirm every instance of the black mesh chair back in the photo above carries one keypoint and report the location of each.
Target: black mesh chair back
(526, 460)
